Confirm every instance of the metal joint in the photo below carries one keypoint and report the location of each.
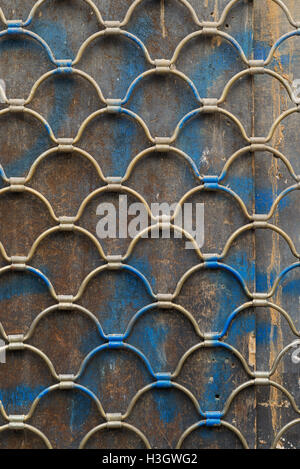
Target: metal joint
(65, 63)
(114, 262)
(112, 24)
(262, 374)
(65, 301)
(210, 342)
(210, 27)
(213, 418)
(112, 29)
(18, 262)
(16, 342)
(257, 147)
(114, 417)
(163, 380)
(211, 257)
(65, 145)
(113, 109)
(66, 381)
(213, 179)
(256, 64)
(162, 148)
(66, 223)
(17, 183)
(14, 26)
(165, 304)
(162, 65)
(212, 264)
(257, 140)
(16, 105)
(209, 336)
(209, 104)
(164, 297)
(162, 141)
(115, 340)
(114, 181)
(259, 217)
(260, 224)
(16, 422)
(260, 302)
(259, 296)
(262, 381)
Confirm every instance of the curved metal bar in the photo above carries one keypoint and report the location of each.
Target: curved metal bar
(253, 382)
(111, 32)
(3, 335)
(66, 71)
(283, 430)
(35, 114)
(2, 16)
(211, 265)
(121, 110)
(164, 305)
(105, 426)
(295, 187)
(194, 113)
(162, 225)
(36, 37)
(278, 121)
(151, 386)
(264, 148)
(280, 277)
(50, 309)
(44, 155)
(281, 355)
(38, 273)
(212, 344)
(153, 149)
(171, 71)
(216, 32)
(255, 71)
(265, 304)
(108, 346)
(40, 2)
(203, 423)
(56, 387)
(278, 43)
(112, 188)
(4, 253)
(31, 429)
(55, 229)
(287, 12)
(36, 194)
(43, 277)
(259, 226)
(3, 412)
(36, 351)
(212, 187)
(129, 268)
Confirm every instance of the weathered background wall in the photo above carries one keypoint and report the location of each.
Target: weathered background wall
(163, 333)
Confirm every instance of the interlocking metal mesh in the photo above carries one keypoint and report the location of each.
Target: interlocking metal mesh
(117, 106)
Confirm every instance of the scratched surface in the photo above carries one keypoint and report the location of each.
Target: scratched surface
(113, 297)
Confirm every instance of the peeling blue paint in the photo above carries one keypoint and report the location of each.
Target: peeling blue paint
(19, 397)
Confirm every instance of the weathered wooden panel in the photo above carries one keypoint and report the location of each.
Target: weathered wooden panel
(116, 300)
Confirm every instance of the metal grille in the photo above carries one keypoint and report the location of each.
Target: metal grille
(212, 183)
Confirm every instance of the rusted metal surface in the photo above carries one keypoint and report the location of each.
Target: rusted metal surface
(65, 416)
